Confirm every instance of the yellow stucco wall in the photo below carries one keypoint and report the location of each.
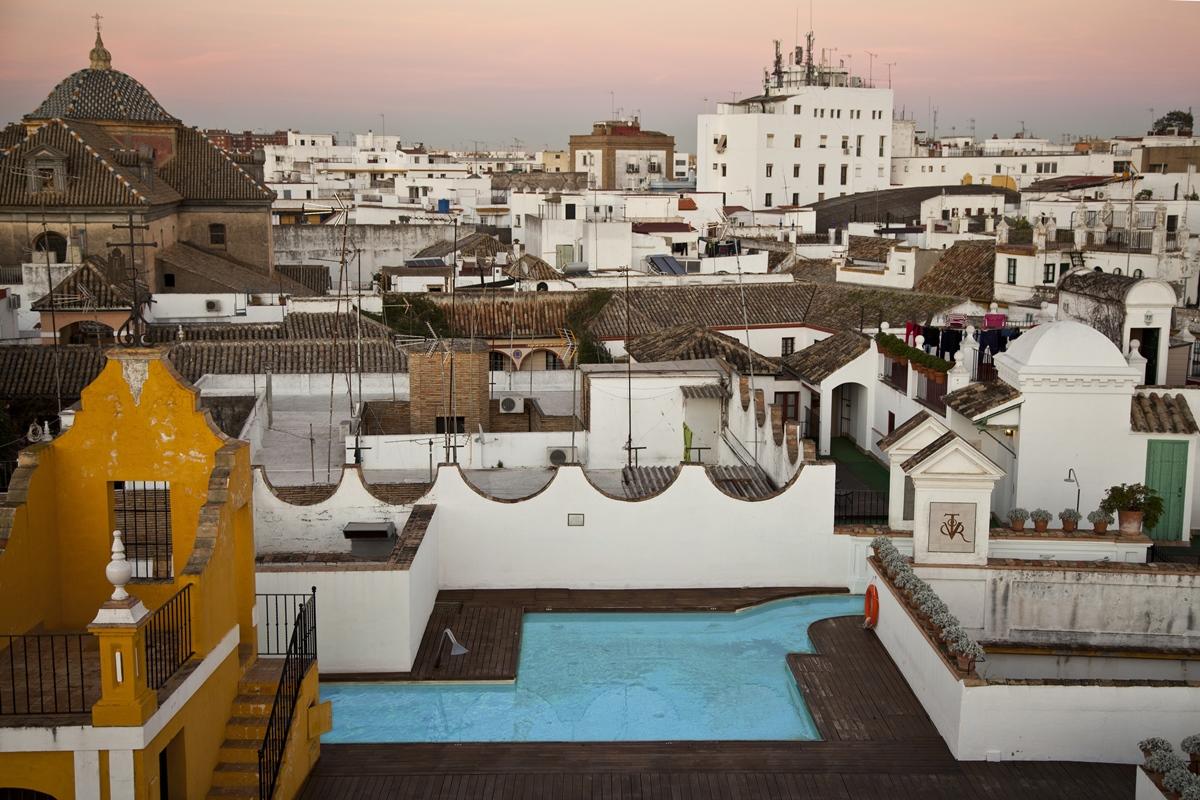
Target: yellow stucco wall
(50, 773)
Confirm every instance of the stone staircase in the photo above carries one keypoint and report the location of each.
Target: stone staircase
(236, 773)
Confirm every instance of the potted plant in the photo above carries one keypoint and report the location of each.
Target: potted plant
(1100, 520)
(1179, 780)
(1017, 517)
(1137, 506)
(966, 652)
(1070, 520)
(1041, 519)
(1163, 761)
(1155, 744)
(1191, 746)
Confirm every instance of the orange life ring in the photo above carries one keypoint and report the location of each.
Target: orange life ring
(871, 607)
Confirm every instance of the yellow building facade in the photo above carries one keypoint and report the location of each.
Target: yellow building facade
(131, 661)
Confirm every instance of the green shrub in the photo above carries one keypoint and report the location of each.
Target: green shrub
(1134, 497)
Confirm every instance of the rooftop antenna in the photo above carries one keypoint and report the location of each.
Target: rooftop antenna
(871, 68)
(890, 64)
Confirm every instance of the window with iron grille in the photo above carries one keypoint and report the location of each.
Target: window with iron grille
(787, 345)
(553, 361)
(216, 234)
(142, 512)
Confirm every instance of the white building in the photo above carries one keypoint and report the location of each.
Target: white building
(814, 132)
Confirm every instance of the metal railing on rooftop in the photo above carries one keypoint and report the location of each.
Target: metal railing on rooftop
(169, 638)
(10, 275)
(860, 506)
(44, 673)
(301, 653)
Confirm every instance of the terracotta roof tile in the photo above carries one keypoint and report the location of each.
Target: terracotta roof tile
(30, 371)
(978, 398)
(473, 245)
(870, 248)
(966, 269)
(293, 356)
(818, 361)
(106, 94)
(314, 276)
(1161, 413)
(201, 171)
(692, 342)
(228, 273)
(531, 268)
(903, 430)
(92, 287)
(929, 450)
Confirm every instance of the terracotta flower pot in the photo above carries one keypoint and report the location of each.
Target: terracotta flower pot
(1070, 525)
(1194, 762)
(1017, 525)
(1130, 522)
(1101, 526)
(964, 662)
(1040, 525)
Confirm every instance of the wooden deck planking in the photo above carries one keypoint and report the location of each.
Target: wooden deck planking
(877, 739)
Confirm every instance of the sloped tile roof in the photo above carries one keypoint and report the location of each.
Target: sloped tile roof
(966, 269)
(95, 172)
(92, 287)
(297, 325)
(830, 306)
(228, 273)
(818, 361)
(531, 268)
(203, 172)
(29, 371)
(541, 181)
(297, 356)
(1104, 286)
(1161, 413)
(709, 391)
(978, 398)
(869, 248)
(328, 324)
(473, 245)
(903, 430)
(740, 481)
(105, 94)
(314, 276)
(813, 270)
(692, 342)
(542, 314)
(929, 450)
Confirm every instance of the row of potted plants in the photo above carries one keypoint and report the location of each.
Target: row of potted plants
(1136, 505)
(1070, 519)
(1169, 771)
(930, 609)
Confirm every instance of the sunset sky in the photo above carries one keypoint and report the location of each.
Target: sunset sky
(538, 70)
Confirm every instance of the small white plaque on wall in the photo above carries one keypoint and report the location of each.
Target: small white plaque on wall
(952, 527)
(575, 520)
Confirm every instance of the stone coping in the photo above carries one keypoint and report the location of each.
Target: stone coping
(1057, 534)
(870, 530)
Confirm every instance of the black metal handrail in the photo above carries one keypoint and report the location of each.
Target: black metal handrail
(861, 506)
(301, 653)
(169, 638)
(276, 615)
(43, 673)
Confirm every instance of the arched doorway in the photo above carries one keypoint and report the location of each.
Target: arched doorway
(848, 414)
(53, 241)
(86, 331)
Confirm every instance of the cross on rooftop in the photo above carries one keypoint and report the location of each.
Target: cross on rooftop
(97, 17)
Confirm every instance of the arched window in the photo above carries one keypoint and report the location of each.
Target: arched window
(497, 361)
(53, 241)
(1117, 271)
(216, 234)
(1137, 273)
(553, 361)
(543, 287)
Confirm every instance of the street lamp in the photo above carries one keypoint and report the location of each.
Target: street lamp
(1073, 478)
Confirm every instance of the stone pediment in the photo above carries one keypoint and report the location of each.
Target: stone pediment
(951, 456)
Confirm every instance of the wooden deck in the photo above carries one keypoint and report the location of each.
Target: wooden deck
(877, 743)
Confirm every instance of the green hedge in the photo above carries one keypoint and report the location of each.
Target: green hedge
(895, 346)
(408, 314)
(590, 349)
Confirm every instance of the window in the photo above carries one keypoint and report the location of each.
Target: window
(822, 113)
(790, 401)
(715, 165)
(796, 110)
(1137, 273)
(767, 199)
(169, 280)
(723, 171)
(1062, 268)
(795, 198)
(216, 234)
(796, 140)
(845, 173)
(795, 170)
(787, 345)
(1117, 271)
(1012, 271)
(456, 427)
(824, 142)
(497, 362)
(53, 241)
(770, 140)
(770, 169)
(1048, 274)
(1024, 168)
(845, 143)
(858, 145)
(997, 169)
(553, 361)
(882, 142)
(891, 421)
(820, 175)
(142, 512)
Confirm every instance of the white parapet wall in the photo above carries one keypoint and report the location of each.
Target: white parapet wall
(572, 535)
(1095, 721)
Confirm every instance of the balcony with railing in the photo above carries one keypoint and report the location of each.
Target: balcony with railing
(895, 374)
(10, 275)
(931, 390)
(50, 678)
(288, 628)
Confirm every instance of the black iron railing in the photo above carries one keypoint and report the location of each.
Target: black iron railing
(301, 653)
(860, 506)
(169, 638)
(44, 673)
(276, 616)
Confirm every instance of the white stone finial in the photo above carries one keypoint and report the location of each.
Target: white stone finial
(118, 571)
(884, 327)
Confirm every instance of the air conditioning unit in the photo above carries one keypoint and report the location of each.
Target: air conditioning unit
(557, 456)
(212, 305)
(512, 405)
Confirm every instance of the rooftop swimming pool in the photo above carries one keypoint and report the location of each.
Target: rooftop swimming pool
(603, 676)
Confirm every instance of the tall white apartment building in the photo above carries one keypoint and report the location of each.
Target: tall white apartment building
(814, 132)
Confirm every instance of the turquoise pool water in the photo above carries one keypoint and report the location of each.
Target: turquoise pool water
(602, 676)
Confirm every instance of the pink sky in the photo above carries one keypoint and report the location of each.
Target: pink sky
(539, 70)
